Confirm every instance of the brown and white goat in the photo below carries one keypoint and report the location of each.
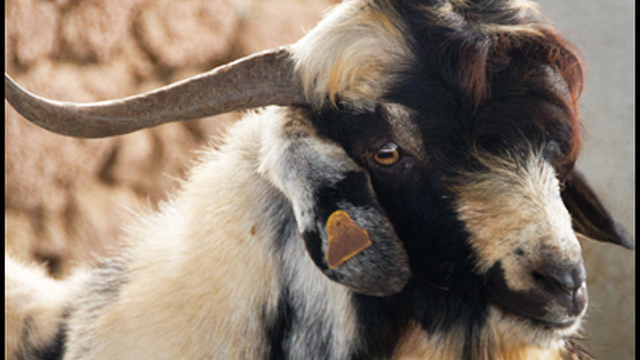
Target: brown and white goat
(403, 201)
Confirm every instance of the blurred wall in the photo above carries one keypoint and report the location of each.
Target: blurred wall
(65, 198)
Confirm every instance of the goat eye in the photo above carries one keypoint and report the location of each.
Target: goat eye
(387, 155)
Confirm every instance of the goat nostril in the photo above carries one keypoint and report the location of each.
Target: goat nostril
(566, 278)
(580, 292)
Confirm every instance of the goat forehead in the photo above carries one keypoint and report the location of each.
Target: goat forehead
(457, 13)
(360, 68)
(517, 116)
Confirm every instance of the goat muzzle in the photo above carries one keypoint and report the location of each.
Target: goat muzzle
(557, 299)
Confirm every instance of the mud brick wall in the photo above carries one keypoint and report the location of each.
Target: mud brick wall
(65, 198)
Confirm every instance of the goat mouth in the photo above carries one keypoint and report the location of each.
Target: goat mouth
(553, 325)
(543, 308)
(539, 321)
(539, 315)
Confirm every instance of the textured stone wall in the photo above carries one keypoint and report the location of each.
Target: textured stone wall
(65, 198)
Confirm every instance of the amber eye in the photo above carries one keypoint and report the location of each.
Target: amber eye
(387, 155)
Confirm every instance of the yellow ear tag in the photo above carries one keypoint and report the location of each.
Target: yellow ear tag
(346, 239)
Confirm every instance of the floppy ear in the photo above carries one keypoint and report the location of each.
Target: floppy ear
(346, 232)
(590, 218)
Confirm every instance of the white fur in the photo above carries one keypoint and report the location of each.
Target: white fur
(200, 278)
(353, 54)
(197, 279)
(34, 305)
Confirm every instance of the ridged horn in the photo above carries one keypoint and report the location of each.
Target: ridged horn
(265, 78)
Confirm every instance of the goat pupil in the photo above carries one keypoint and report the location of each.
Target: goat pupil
(387, 154)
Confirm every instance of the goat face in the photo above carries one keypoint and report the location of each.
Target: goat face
(468, 153)
(473, 215)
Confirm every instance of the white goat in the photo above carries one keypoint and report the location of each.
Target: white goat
(402, 202)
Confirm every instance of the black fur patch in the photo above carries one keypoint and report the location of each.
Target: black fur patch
(313, 243)
(352, 189)
(289, 325)
(281, 209)
(52, 351)
(481, 87)
(280, 328)
(381, 323)
(55, 350)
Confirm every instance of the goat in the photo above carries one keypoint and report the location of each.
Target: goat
(403, 200)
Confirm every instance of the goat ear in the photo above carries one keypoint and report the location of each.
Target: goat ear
(352, 241)
(346, 232)
(590, 217)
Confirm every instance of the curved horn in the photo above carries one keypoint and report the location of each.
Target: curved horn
(265, 78)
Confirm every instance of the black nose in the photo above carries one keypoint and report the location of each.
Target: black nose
(561, 277)
(565, 283)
